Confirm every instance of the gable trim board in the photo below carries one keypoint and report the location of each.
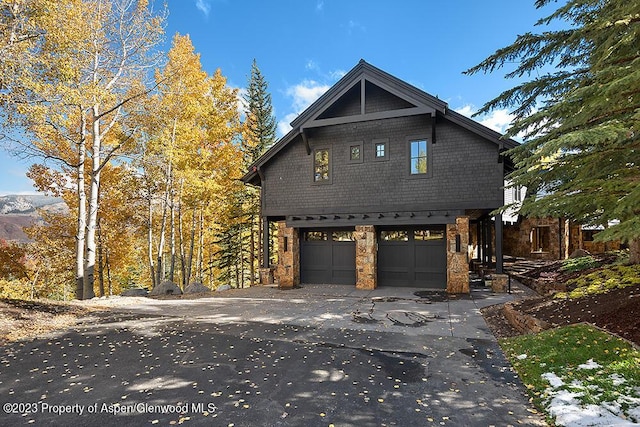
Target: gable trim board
(463, 182)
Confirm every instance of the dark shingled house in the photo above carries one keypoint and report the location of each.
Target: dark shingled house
(380, 184)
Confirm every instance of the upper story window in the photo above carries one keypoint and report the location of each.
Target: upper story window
(321, 166)
(356, 153)
(380, 149)
(418, 156)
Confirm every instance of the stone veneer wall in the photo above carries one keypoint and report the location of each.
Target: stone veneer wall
(366, 257)
(517, 238)
(458, 262)
(288, 268)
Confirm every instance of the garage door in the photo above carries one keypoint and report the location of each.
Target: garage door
(328, 256)
(412, 257)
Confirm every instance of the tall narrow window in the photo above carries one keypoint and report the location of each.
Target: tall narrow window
(321, 165)
(517, 193)
(380, 149)
(418, 160)
(540, 239)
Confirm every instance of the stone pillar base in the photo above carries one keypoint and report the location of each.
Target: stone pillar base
(457, 256)
(266, 276)
(288, 269)
(499, 283)
(366, 257)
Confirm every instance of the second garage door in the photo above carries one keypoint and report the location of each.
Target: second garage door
(412, 257)
(328, 256)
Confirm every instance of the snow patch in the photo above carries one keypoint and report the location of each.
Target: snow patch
(589, 365)
(553, 379)
(568, 410)
(521, 356)
(617, 379)
(570, 413)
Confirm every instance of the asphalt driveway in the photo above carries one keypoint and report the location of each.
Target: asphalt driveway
(316, 356)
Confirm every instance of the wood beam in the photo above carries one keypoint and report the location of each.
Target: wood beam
(305, 139)
(368, 116)
(363, 96)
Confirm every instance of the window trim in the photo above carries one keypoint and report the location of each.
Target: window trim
(416, 138)
(374, 143)
(350, 145)
(313, 166)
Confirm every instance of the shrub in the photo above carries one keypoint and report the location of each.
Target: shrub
(602, 280)
(579, 264)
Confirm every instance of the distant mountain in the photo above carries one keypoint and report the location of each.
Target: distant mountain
(28, 204)
(19, 211)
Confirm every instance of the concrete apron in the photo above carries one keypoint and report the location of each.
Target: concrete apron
(408, 311)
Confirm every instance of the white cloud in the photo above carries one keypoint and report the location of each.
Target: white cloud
(204, 6)
(283, 125)
(242, 102)
(337, 74)
(498, 120)
(467, 110)
(302, 95)
(311, 65)
(305, 93)
(319, 6)
(355, 26)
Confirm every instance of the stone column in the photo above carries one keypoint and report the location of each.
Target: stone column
(288, 269)
(457, 256)
(366, 257)
(266, 276)
(499, 282)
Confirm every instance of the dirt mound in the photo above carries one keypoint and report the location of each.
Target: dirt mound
(617, 311)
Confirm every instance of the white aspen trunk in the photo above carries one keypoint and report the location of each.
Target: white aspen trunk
(191, 247)
(150, 241)
(252, 253)
(200, 248)
(172, 267)
(180, 239)
(94, 190)
(163, 226)
(82, 211)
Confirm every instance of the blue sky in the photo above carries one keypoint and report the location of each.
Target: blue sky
(304, 46)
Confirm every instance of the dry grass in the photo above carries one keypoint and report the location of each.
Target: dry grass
(22, 319)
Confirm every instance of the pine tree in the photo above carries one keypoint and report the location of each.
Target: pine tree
(258, 136)
(581, 121)
(260, 121)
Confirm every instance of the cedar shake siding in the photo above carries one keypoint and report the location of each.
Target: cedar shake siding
(380, 184)
(464, 172)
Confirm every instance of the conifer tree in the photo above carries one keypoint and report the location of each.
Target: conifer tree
(261, 122)
(259, 134)
(581, 120)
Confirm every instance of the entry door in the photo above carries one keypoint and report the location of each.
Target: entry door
(328, 256)
(413, 257)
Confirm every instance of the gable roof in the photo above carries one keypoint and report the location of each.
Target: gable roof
(418, 102)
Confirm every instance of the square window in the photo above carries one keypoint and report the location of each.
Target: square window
(380, 150)
(321, 165)
(418, 157)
